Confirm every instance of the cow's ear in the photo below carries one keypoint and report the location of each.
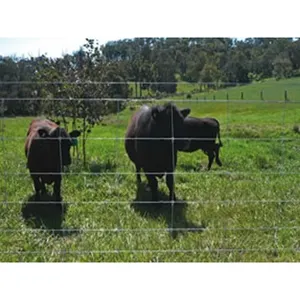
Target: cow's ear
(75, 133)
(155, 112)
(43, 133)
(185, 112)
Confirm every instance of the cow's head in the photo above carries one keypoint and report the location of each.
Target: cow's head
(60, 143)
(170, 121)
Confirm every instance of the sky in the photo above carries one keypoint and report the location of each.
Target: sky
(26, 31)
(53, 47)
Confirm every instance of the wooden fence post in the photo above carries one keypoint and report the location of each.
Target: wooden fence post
(261, 95)
(286, 96)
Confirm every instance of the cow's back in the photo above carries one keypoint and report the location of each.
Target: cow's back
(133, 131)
(201, 131)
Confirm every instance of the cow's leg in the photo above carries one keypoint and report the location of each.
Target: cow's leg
(77, 151)
(138, 174)
(57, 188)
(152, 181)
(170, 185)
(43, 187)
(211, 157)
(37, 186)
(218, 161)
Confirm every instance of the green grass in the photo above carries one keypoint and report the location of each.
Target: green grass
(270, 88)
(247, 210)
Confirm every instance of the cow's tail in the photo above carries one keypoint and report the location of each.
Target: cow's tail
(219, 135)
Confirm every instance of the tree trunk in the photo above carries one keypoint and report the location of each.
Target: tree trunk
(136, 91)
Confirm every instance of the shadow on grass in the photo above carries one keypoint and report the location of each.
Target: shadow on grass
(107, 166)
(177, 222)
(192, 167)
(46, 215)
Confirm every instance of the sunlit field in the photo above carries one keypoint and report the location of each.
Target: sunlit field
(246, 210)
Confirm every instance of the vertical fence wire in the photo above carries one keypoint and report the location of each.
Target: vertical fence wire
(117, 179)
(228, 141)
(282, 173)
(5, 195)
(173, 176)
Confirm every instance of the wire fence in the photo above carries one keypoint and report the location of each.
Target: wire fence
(7, 174)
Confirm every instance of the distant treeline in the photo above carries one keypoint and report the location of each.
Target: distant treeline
(214, 62)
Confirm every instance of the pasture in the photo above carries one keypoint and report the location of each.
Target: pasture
(247, 210)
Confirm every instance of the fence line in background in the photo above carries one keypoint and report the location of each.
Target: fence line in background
(79, 82)
(154, 100)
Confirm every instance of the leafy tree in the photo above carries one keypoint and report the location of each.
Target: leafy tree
(283, 67)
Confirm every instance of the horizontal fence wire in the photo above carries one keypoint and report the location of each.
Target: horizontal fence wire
(78, 82)
(160, 139)
(152, 251)
(152, 173)
(144, 230)
(105, 202)
(156, 100)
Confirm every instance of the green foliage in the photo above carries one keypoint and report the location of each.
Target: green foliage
(282, 67)
(216, 62)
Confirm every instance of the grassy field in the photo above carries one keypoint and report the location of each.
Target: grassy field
(268, 89)
(247, 210)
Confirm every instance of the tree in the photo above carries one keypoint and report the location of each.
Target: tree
(283, 67)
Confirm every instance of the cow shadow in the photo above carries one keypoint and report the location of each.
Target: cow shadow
(107, 166)
(193, 167)
(175, 218)
(46, 214)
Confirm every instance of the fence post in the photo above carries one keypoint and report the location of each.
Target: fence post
(227, 96)
(242, 96)
(286, 96)
(214, 97)
(261, 95)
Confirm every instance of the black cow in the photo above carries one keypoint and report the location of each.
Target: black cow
(201, 134)
(47, 149)
(150, 146)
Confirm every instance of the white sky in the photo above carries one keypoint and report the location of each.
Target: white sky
(34, 46)
(53, 47)
(27, 28)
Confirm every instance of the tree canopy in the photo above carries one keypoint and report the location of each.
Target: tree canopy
(153, 64)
